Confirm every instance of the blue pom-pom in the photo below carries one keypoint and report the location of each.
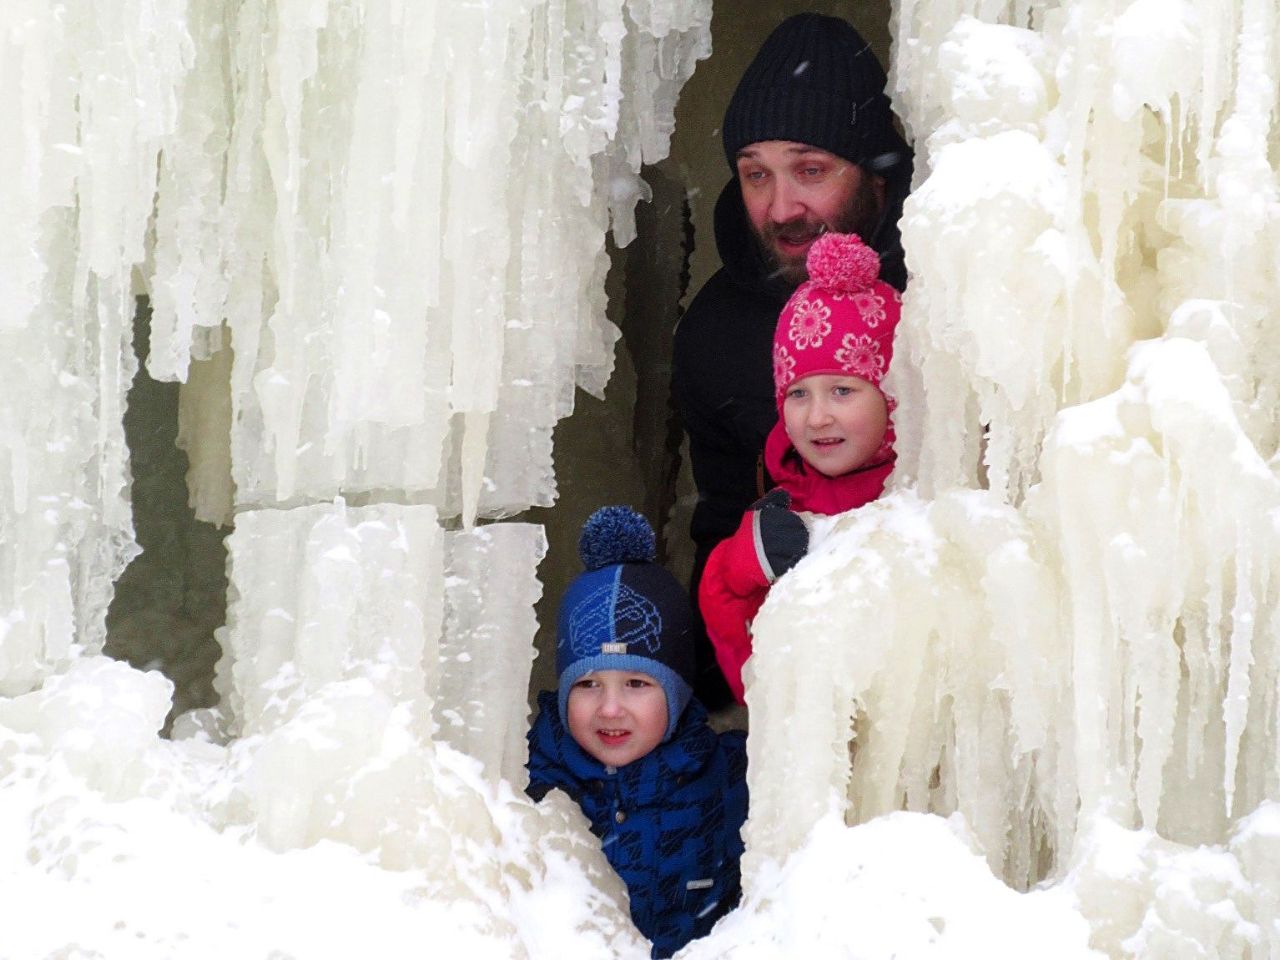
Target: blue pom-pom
(616, 535)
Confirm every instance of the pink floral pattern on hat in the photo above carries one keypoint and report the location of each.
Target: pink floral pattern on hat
(839, 321)
(870, 305)
(809, 326)
(784, 366)
(859, 354)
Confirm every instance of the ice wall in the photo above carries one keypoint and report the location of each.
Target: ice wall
(1062, 625)
(372, 234)
(394, 212)
(84, 119)
(373, 239)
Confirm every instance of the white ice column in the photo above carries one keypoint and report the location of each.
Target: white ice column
(566, 199)
(341, 372)
(334, 661)
(325, 594)
(1007, 294)
(188, 286)
(1064, 144)
(1165, 520)
(918, 640)
(1110, 649)
(491, 586)
(88, 102)
(1226, 235)
(409, 246)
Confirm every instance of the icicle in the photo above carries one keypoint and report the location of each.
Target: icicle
(485, 655)
(204, 432)
(987, 683)
(945, 621)
(92, 99)
(328, 593)
(420, 215)
(1008, 190)
(379, 202)
(188, 291)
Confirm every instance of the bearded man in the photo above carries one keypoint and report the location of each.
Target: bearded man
(809, 136)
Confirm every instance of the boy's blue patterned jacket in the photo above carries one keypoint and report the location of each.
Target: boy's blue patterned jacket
(669, 822)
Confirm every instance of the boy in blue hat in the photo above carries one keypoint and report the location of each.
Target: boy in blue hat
(625, 738)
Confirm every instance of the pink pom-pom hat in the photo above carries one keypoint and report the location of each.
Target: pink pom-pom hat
(839, 321)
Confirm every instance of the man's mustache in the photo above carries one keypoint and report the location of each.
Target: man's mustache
(794, 231)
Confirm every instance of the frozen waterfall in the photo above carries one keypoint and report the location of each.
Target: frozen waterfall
(1062, 627)
(1028, 704)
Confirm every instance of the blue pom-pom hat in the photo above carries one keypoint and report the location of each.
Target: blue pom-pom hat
(625, 612)
(615, 535)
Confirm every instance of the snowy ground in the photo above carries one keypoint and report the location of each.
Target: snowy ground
(121, 845)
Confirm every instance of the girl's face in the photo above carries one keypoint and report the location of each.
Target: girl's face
(617, 716)
(836, 421)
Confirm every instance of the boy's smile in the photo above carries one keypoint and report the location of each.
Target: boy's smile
(617, 716)
(836, 421)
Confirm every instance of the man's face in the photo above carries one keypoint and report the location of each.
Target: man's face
(794, 192)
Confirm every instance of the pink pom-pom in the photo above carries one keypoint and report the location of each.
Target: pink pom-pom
(843, 263)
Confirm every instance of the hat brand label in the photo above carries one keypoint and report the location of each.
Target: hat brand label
(613, 648)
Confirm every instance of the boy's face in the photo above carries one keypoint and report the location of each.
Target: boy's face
(836, 421)
(617, 716)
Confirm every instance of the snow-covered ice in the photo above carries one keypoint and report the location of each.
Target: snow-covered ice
(1028, 704)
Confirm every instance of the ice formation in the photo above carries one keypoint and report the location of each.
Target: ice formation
(373, 238)
(319, 198)
(1062, 625)
(377, 322)
(343, 176)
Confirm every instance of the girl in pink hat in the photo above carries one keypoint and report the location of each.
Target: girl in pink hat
(832, 448)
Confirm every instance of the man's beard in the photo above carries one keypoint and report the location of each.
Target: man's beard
(861, 215)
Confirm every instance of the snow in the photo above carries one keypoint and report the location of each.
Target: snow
(138, 847)
(1026, 704)
(906, 885)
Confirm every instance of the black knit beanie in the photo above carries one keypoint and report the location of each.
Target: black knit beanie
(816, 81)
